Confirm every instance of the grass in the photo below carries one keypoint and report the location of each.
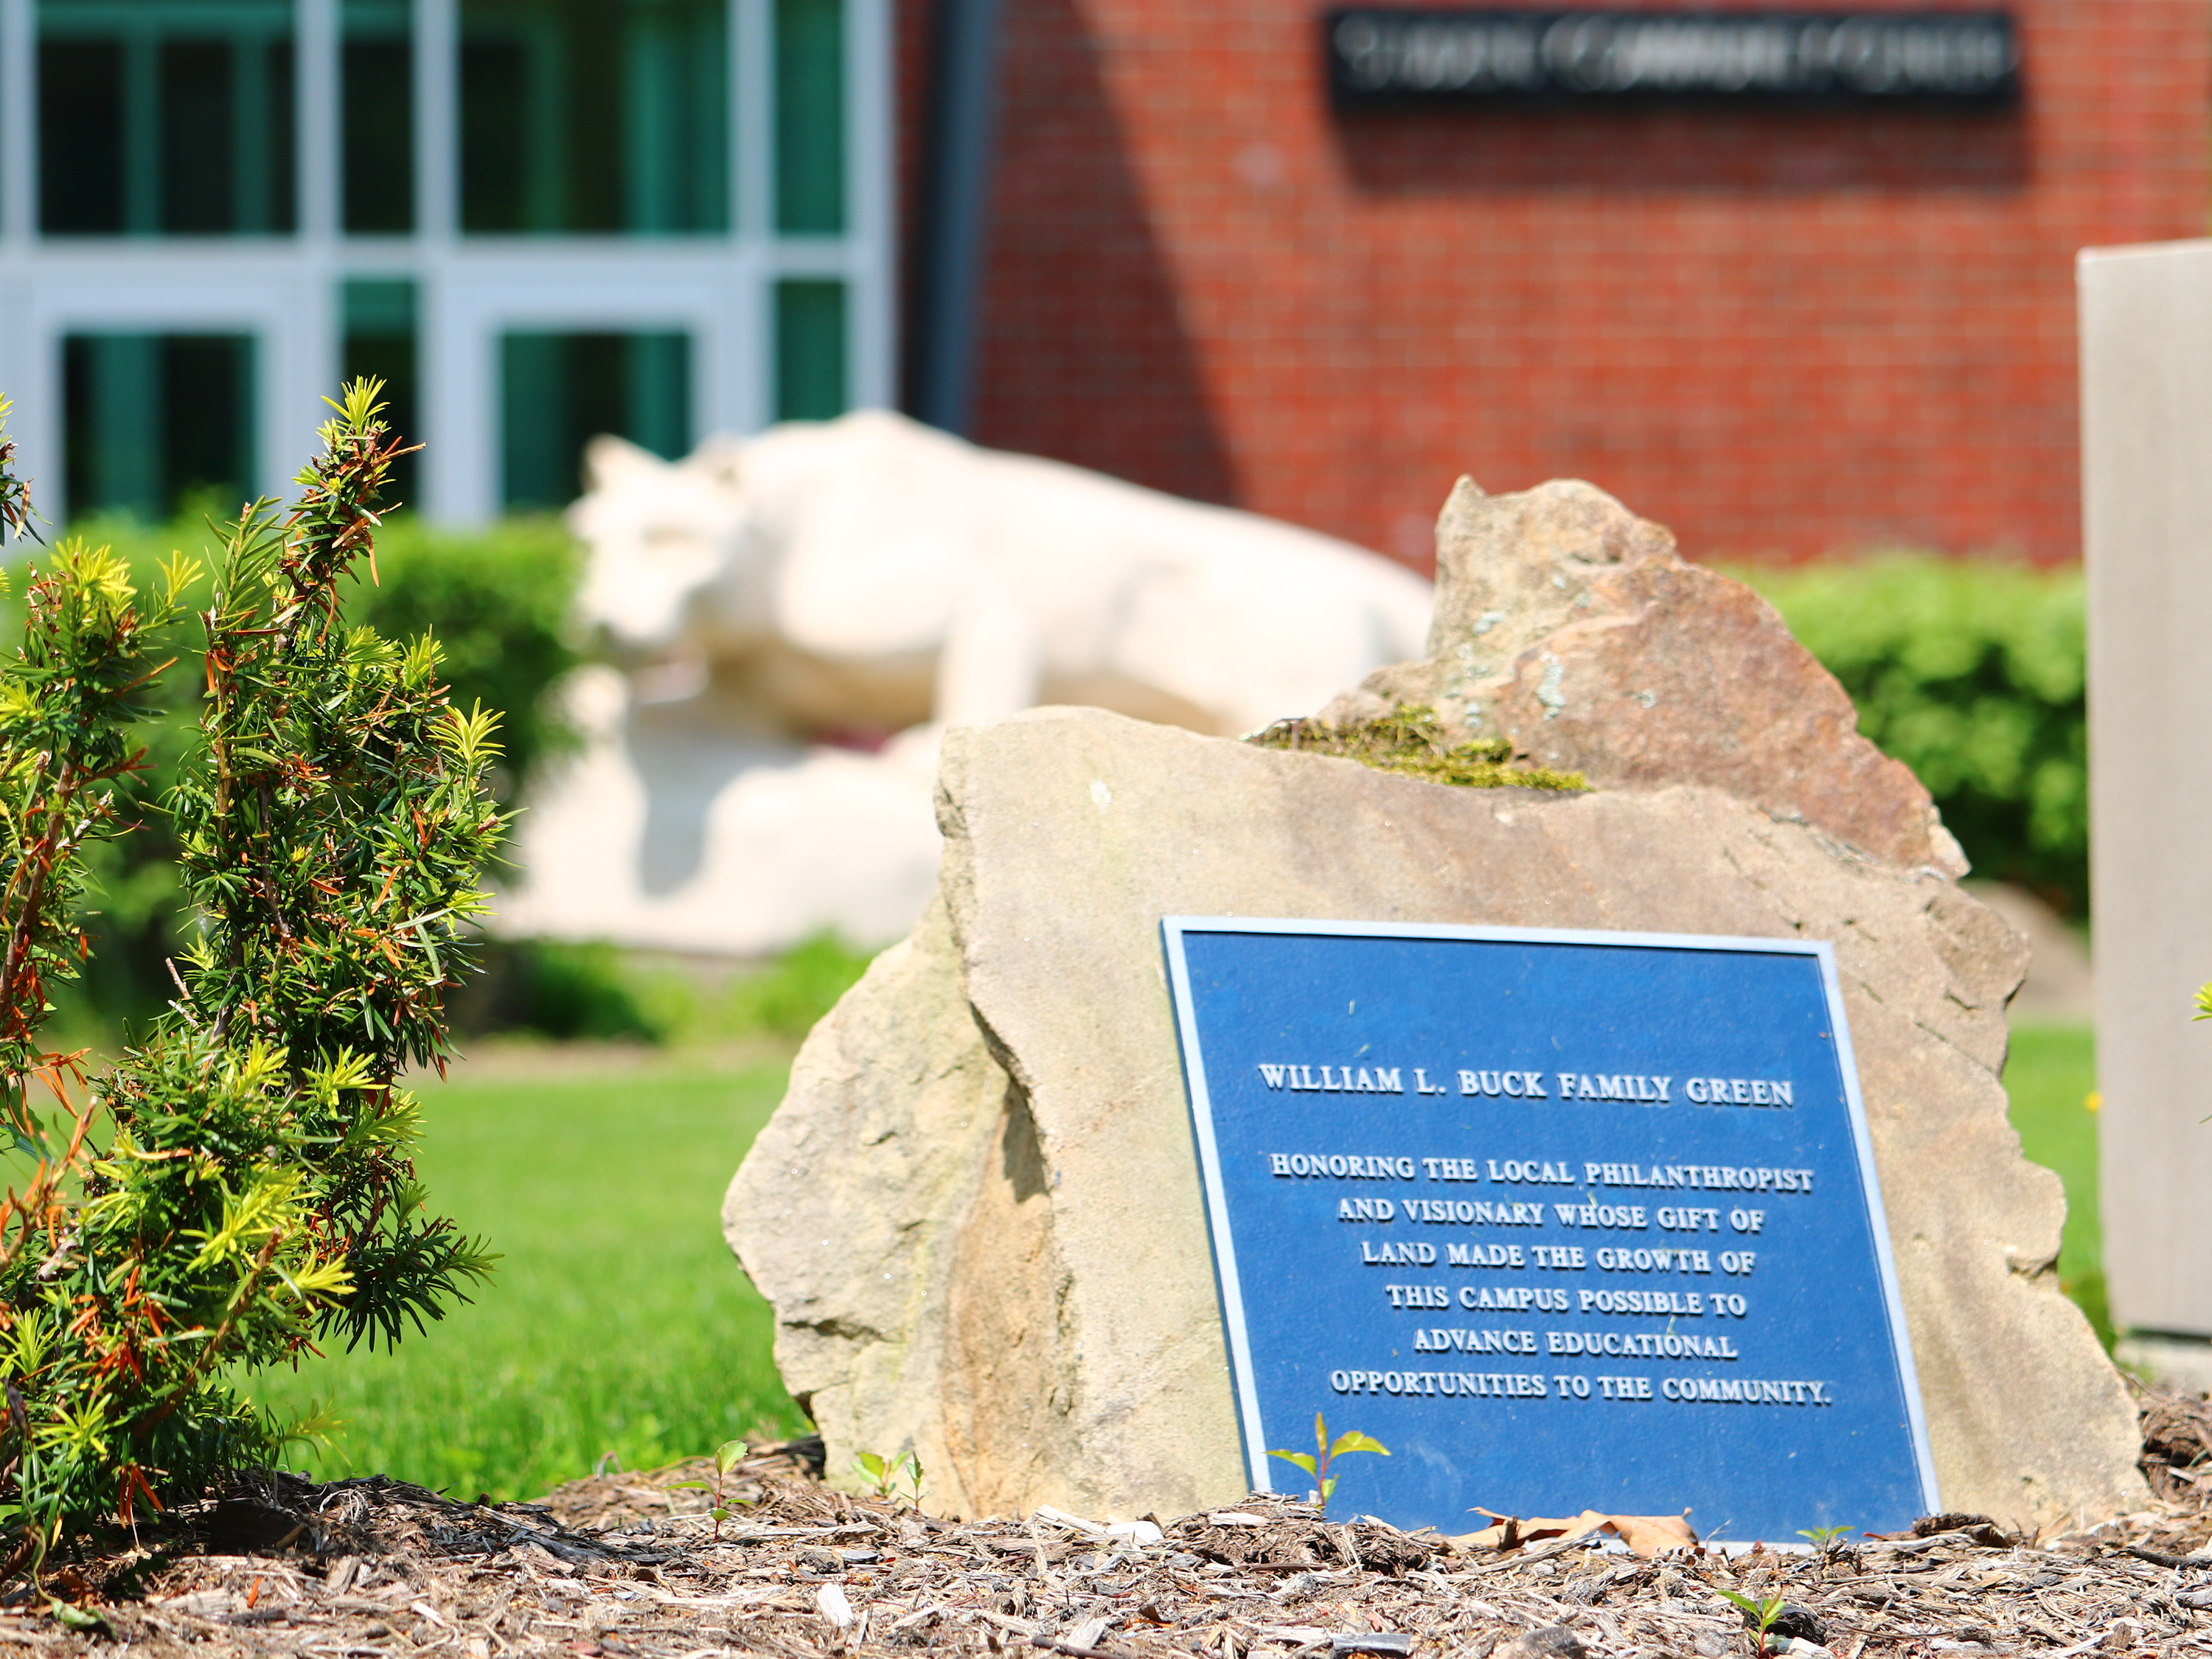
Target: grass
(2052, 1077)
(618, 1320)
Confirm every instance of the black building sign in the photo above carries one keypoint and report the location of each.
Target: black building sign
(1386, 55)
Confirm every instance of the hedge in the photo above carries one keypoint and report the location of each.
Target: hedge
(498, 602)
(1971, 673)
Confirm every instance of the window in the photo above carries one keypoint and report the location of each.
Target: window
(523, 216)
(377, 70)
(810, 117)
(583, 116)
(380, 342)
(810, 351)
(165, 117)
(158, 424)
(560, 391)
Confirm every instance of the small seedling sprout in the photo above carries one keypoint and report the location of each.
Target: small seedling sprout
(1761, 1614)
(1825, 1541)
(1316, 1463)
(883, 1474)
(727, 1456)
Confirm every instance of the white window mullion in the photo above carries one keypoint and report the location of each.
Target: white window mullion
(297, 364)
(313, 347)
(31, 374)
(19, 120)
(320, 89)
(447, 344)
(872, 313)
(752, 115)
(739, 357)
(437, 119)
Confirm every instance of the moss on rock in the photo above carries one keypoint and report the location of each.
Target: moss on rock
(1411, 740)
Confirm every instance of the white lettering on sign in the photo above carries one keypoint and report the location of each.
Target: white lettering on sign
(1312, 1165)
(1417, 1296)
(1483, 1255)
(1640, 1344)
(1754, 1179)
(1411, 1254)
(1335, 1079)
(1683, 1304)
(1741, 1091)
(1660, 1261)
(1600, 1215)
(1506, 1171)
(1521, 1085)
(1581, 1086)
(1512, 1298)
(1475, 1211)
(1745, 1391)
(1638, 1088)
(1465, 1384)
(1462, 1340)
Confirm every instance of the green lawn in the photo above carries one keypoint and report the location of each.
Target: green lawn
(2051, 1074)
(618, 1320)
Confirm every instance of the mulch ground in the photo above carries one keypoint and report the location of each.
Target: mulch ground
(622, 1565)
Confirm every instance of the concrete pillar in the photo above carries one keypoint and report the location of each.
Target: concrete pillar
(2146, 320)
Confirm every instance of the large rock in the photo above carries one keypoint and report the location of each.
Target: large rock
(977, 1213)
(1568, 624)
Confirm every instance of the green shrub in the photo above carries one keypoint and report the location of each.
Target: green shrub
(496, 601)
(787, 998)
(566, 991)
(1972, 673)
(595, 991)
(239, 1185)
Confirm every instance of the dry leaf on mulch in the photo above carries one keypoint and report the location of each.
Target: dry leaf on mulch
(1646, 1535)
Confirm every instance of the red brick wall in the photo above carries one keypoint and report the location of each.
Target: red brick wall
(911, 23)
(1784, 333)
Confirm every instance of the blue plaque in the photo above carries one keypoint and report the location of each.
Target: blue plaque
(1565, 1220)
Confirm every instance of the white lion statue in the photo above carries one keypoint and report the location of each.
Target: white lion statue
(780, 605)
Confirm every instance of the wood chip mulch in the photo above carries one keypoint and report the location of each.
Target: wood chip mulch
(621, 1565)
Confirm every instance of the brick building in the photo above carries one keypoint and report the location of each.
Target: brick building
(1783, 330)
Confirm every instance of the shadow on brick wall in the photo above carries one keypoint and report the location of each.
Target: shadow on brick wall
(1725, 151)
(1085, 356)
